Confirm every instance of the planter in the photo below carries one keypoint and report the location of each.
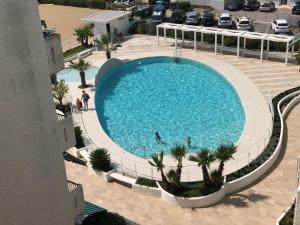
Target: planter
(105, 175)
(151, 191)
(194, 202)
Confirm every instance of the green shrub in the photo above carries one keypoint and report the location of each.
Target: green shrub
(105, 218)
(151, 2)
(97, 4)
(146, 182)
(78, 137)
(288, 219)
(185, 6)
(100, 160)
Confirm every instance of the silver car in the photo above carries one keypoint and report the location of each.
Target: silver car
(192, 18)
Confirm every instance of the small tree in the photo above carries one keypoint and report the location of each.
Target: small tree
(204, 158)
(107, 43)
(100, 160)
(158, 163)
(178, 152)
(224, 153)
(59, 91)
(84, 33)
(81, 66)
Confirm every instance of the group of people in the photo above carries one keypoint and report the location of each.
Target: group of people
(159, 140)
(85, 99)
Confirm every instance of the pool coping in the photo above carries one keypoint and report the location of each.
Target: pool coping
(255, 127)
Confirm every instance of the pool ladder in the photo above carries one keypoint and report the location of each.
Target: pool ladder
(177, 54)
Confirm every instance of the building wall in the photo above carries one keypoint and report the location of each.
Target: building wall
(32, 176)
(54, 53)
(122, 25)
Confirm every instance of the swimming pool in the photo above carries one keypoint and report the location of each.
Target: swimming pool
(71, 75)
(178, 100)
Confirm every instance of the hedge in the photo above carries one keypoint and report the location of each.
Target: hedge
(97, 4)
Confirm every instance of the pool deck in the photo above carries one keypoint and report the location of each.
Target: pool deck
(260, 206)
(253, 138)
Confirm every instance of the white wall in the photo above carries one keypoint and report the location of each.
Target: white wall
(122, 25)
(32, 175)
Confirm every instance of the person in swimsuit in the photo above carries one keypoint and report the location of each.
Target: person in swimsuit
(78, 104)
(85, 98)
(157, 138)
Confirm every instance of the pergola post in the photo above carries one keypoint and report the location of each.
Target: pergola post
(293, 50)
(201, 39)
(216, 43)
(182, 36)
(238, 47)
(244, 47)
(268, 49)
(222, 42)
(157, 35)
(176, 38)
(261, 49)
(195, 41)
(287, 53)
(165, 34)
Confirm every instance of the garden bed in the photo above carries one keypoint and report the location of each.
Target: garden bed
(273, 142)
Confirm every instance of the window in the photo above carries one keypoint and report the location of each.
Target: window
(53, 55)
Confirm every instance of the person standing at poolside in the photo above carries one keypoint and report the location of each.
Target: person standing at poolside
(85, 98)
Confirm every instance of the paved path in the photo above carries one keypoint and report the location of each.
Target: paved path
(272, 195)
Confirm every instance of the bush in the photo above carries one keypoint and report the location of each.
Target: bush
(107, 218)
(288, 219)
(146, 182)
(185, 6)
(100, 160)
(78, 137)
(151, 2)
(98, 4)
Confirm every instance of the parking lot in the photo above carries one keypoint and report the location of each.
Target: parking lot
(261, 21)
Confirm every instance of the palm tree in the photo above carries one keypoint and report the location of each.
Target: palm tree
(178, 152)
(175, 185)
(204, 158)
(158, 163)
(107, 43)
(84, 33)
(81, 66)
(224, 153)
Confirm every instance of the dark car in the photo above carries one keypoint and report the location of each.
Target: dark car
(234, 5)
(144, 11)
(178, 16)
(267, 7)
(296, 8)
(208, 19)
(251, 5)
(158, 14)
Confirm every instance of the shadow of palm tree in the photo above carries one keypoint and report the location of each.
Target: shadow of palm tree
(243, 200)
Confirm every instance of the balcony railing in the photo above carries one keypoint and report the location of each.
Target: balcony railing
(76, 195)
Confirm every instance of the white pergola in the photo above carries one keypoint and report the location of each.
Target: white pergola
(226, 32)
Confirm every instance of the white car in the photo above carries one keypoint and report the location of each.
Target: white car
(125, 2)
(243, 23)
(225, 20)
(280, 26)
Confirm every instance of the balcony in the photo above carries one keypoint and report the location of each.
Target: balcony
(77, 198)
(65, 131)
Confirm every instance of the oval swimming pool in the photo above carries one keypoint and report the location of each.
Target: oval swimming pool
(177, 100)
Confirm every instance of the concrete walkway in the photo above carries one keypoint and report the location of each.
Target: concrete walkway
(272, 194)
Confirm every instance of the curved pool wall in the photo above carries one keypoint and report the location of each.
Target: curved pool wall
(185, 99)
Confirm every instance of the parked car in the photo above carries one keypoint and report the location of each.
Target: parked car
(192, 18)
(234, 5)
(251, 5)
(243, 23)
(125, 2)
(158, 14)
(225, 20)
(280, 26)
(178, 16)
(208, 19)
(162, 4)
(144, 11)
(267, 7)
(296, 8)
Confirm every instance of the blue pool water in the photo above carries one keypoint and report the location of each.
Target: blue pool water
(177, 100)
(71, 75)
